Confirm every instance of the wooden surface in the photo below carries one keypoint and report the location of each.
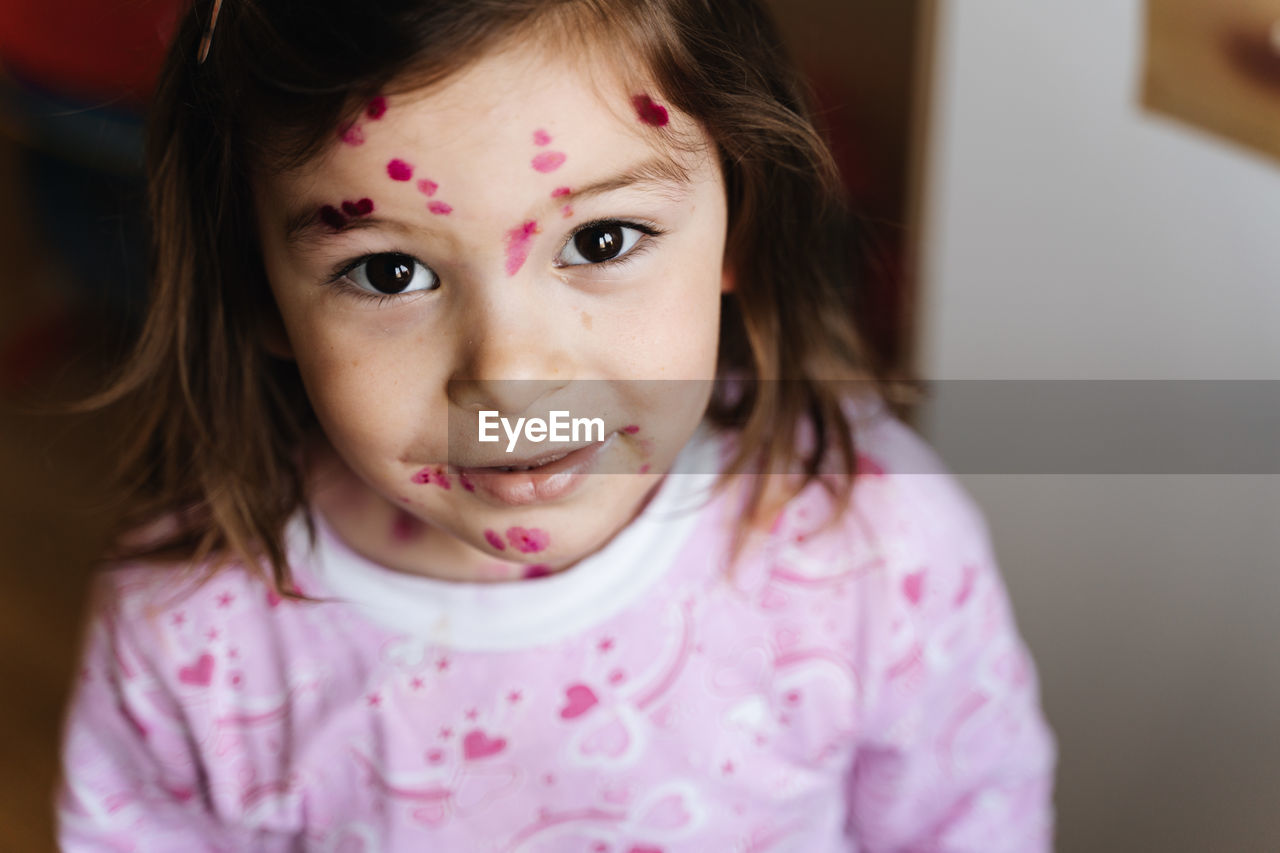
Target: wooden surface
(51, 519)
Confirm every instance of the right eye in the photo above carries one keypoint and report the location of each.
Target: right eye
(391, 274)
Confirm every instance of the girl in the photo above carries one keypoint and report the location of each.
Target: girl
(351, 623)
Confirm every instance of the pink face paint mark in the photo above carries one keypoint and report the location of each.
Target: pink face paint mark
(494, 540)
(561, 192)
(434, 476)
(644, 469)
(651, 113)
(528, 541)
(466, 484)
(399, 170)
(541, 137)
(405, 527)
(539, 571)
(566, 211)
(631, 429)
(439, 208)
(427, 187)
(333, 217)
(548, 161)
(518, 240)
(363, 207)
(377, 108)
(351, 134)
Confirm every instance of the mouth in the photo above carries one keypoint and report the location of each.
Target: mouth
(535, 479)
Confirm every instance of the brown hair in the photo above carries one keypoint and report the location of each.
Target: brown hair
(220, 423)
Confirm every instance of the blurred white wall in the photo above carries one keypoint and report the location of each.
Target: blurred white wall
(1066, 233)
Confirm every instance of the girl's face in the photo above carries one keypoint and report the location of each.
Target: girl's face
(521, 240)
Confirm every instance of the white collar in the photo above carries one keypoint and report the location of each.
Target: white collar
(507, 616)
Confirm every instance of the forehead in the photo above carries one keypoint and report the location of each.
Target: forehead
(515, 119)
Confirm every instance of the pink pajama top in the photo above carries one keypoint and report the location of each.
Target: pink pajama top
(856, 686)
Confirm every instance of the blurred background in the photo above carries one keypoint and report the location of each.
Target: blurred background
(1058, 190)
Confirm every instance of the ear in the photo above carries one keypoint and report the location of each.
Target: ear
(272, 334)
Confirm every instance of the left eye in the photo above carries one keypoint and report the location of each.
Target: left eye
(598, 243)
(391, 273)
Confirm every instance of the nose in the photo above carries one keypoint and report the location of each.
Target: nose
(513, 351)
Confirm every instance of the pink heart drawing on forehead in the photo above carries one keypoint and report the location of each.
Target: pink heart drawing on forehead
(363, 207)
(399, 170)
(548, 161)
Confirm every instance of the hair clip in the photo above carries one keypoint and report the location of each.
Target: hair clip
(207, 38)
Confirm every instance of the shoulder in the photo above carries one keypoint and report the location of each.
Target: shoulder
(905, 510)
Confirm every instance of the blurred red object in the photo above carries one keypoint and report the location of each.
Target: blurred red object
(89, 49)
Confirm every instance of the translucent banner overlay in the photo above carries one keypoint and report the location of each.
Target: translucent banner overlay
(976, 426)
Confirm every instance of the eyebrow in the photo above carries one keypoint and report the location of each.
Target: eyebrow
(658, 173)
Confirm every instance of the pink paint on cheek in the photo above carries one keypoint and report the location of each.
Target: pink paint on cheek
(528, 541)
(333, 217)
(399, 170)
(541, 137)
(548, 161)
(561, 192)
(352, 134)
(377, 108)
(427, 187)
(649, 112)
(439, 208)
(566, 211)
(541, 570)
(363, 207)
(494, 540)
(518, 240)
(631, 429)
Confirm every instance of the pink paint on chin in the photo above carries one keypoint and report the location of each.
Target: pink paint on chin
(494, 540)
(405, 527)
(528, 541)
(352, 134)
(561, 192)
(377, 108)
(434, 476)
(439, 208)
(399, 170)
(548, 161)
(649, 112)
(518, 240)
(427, 187)
(541, 570)
(541, 137)
(631, 429)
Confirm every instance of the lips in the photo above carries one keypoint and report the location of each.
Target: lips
(536, 479)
